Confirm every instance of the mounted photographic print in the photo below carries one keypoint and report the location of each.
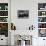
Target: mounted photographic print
(41, 25)
(3, 13)
(42, 6)
(3, 19)
(42, 32)
(4, 29)
(23, 14)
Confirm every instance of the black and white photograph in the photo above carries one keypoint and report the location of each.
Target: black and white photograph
(23, 14)
(41, 19)
(41, 6)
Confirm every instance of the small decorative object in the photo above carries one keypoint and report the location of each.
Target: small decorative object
(0, 7)
(41, 6)
(43, 13)
(1, 39)
(43, 39)
(13, 27)
(23, 13)
(41, 19)
(3, 13)
(6, 7)
(3, 19)
(31, 27)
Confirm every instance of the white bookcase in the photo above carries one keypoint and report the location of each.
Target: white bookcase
(42, 19)
(5, 20)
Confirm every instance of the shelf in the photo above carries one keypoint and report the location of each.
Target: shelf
(3, 16)
(4, 19)
(3, 10)
(41, 22)
(41, 28)
(41, 10)
(3, 22)
(42, 19)
(42, 16)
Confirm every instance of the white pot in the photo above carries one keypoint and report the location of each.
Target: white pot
(22, 43)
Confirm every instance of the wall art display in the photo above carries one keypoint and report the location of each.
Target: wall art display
(42, 6)
(31, 27)
(3, 13)
(41, 19)
(41, 13)
(23, 13)
(4, 29)
(3, 6)
(42, 25)
(3, 19)
(42, 33)
(6, 7)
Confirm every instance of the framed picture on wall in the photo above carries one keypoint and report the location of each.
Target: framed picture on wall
(4, 29)
(42, 32)
(23, 13)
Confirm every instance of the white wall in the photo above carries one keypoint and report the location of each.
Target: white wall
(32, 6)
(23, 24)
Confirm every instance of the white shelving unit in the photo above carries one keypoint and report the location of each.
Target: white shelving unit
(42, 18)
(4, 23)
(42, 10)
(3, 12)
